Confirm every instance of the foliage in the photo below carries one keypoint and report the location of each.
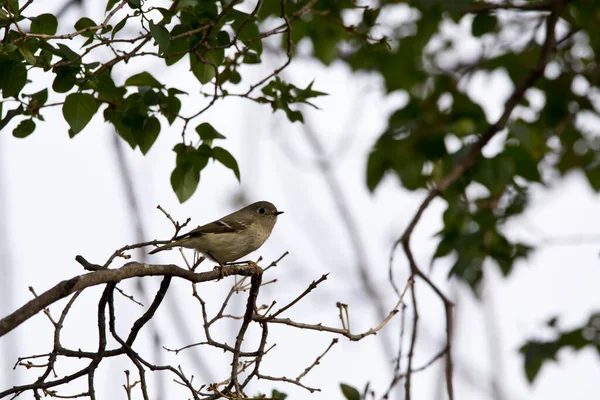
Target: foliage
(214, 38)
(537, 352)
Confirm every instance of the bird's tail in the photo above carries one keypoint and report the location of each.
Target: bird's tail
(165, 247)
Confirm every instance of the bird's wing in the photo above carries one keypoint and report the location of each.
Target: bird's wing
(215, 227)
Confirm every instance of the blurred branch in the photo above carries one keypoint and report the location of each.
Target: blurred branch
(545, 5)
(466, 163)
(356, 243)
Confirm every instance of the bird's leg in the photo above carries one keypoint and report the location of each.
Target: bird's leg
(220, 267)
(197, 262)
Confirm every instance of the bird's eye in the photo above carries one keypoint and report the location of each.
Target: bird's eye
(261, 210)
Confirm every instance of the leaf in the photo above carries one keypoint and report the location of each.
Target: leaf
(207, 132)
(135, 4)
(78, 109)
(118, 27)
(66, 52)
(44, 23)
(27, 55)
(483, 23)
(24, 129)
(161, 35)
(525, 164)
(535, 353)
(184, 180)
(110, 4)
(277, 395)
(202, 71)
(150, 132)
(143, 79)
(225, 158)
(13, 76)
(349, 392)
(84, 23)
(10, 114)
(65, 79)
(116, 118)
(377, 165)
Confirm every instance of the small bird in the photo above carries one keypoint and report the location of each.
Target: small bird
(231, 237)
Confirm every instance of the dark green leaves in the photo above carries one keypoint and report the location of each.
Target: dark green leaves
(65, 79)
(281, 95)
(186, 175)
(205, 69)
(24, 129)
(225, 158)
(143, 79)
(277, 395)
(45, 24)
(78, 110)
(191, 161)
(473, 234)
(13, 76)
(146, 136)
(82, 24)
(538, 352)
(349, 392)
(483, 23)
(161, 35)
(207, 132)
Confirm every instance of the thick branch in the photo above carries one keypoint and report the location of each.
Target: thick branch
(129, 270)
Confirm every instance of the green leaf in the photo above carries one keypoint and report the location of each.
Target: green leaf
(107, 90)
(525, 164)
(143, 79)
(65, 79)
(184, 180)
(10, 114)
(84, 23)
(535, 354)
(277, 395)
(118, 27)
(483, 23)
(377, 165)
(27, 55)
(178, 47)
(116, 118)
(45, 23)
(78, 109)
(66, 52)
(169, 107)
(202, 71)
(251, 58)
(207, 132)
(161, 35)
(148, 135)
(110, 4)
(349, 392)
(225, 158)
(135, 4)
(24, 129)
(13, 76)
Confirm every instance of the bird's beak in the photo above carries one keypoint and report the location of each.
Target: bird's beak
(278, 212)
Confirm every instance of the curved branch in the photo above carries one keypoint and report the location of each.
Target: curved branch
(130, 270)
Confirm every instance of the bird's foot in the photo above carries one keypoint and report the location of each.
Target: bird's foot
(222, 271)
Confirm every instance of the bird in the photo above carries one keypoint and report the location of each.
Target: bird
(231, 237)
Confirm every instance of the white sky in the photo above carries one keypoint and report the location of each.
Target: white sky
(64, 197)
